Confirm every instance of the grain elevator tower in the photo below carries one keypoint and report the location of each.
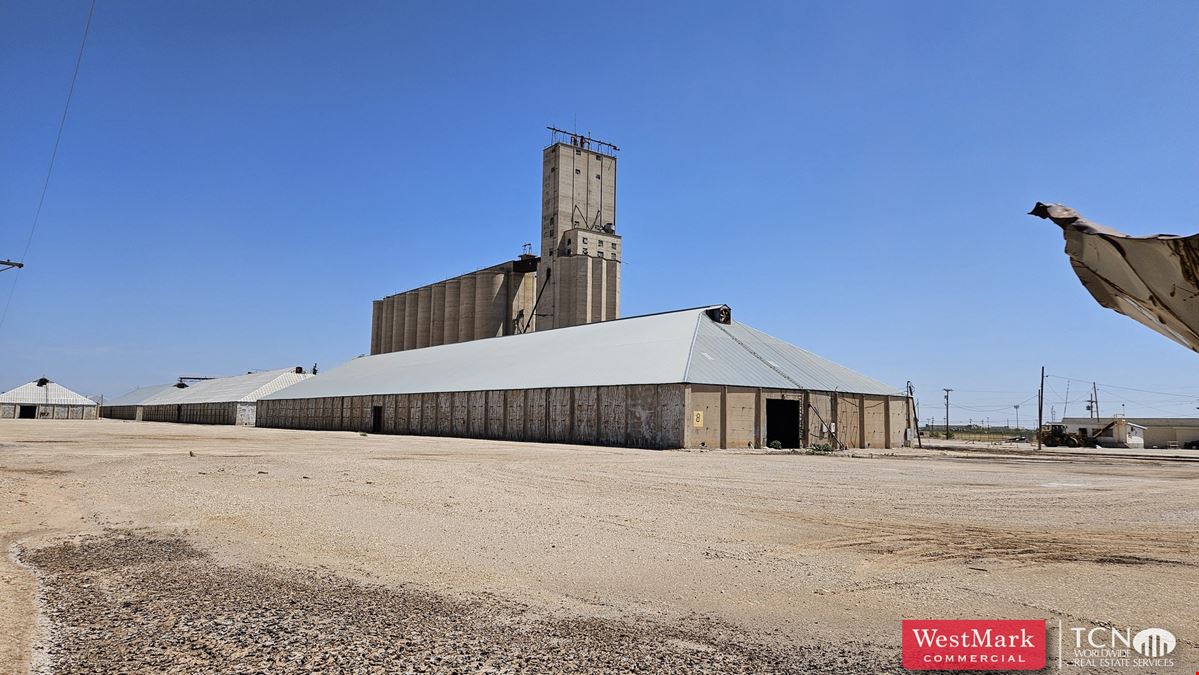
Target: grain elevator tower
(578, 279)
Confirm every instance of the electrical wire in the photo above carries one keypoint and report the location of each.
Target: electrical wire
(62, 123)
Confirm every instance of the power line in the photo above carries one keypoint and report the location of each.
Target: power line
(1115, 386)
(62, 123)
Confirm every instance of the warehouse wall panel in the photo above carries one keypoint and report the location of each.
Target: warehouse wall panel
(613, 402)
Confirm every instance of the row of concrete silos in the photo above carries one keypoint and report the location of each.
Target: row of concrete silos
(470, 307)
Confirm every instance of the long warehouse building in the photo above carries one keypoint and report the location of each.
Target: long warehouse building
(686, 379)
(221, 400)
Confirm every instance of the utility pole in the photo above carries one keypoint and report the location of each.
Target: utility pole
(1095, 399)
(1040, 407)
(1017, 407)
(915, 413)
(947, 413)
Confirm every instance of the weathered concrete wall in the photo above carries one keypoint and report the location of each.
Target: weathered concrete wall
(192, 413)
(557, 415)
(742, 418)
(875, 414)
(849, 422)
(649, 416)
(495, 414)
(536, 406)
(245, 413)
(585, 415)
(704, 428)
(112, 412)
(514, 418)
(613, 415)
(819, 418)
(51, 411)
(445, 414)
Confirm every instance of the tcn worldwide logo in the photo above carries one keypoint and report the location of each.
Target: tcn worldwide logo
(1106, 647)
(974, 645)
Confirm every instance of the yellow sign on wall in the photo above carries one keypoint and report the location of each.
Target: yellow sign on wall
(698, 418)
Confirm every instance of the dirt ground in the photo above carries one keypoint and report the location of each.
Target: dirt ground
(143, 546)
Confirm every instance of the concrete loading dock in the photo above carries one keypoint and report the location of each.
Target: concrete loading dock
(687, 379)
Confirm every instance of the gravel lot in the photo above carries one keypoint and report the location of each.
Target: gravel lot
(185, 548)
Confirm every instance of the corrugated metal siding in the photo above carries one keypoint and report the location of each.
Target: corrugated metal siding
(671, 348)
(238, 388)
(51, 394)
(736, 354)
(140, 395)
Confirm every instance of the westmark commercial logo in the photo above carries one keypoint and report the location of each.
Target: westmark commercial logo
(974, 645)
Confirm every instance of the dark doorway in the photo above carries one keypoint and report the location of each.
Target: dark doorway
(782, 422)
(377, 420)
(27, 412)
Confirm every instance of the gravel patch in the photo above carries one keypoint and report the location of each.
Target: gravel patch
(132, 602)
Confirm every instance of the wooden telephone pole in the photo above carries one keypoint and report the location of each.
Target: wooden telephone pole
(1040, 407)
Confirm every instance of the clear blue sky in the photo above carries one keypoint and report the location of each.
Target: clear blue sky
(238, 181)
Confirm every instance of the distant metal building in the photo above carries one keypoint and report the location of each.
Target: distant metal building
(45, 400)
(686, 379)
(223, 400)
(131, 404)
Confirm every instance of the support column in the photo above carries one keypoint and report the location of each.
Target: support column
(887, 422)
(724, 417)
(805, 433)
(861, 420)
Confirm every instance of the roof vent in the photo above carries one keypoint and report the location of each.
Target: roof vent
(722, 314)
(41, 381)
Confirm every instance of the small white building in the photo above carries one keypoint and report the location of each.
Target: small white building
(45, 400)
(1114, 432)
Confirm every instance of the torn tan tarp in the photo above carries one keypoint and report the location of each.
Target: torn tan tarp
(1153, 279)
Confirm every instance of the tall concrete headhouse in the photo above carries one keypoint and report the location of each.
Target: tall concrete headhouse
(575, 280)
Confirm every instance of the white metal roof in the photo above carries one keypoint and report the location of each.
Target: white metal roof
(238, 388)
(673, 347)
(140, 395)
(51, 393)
